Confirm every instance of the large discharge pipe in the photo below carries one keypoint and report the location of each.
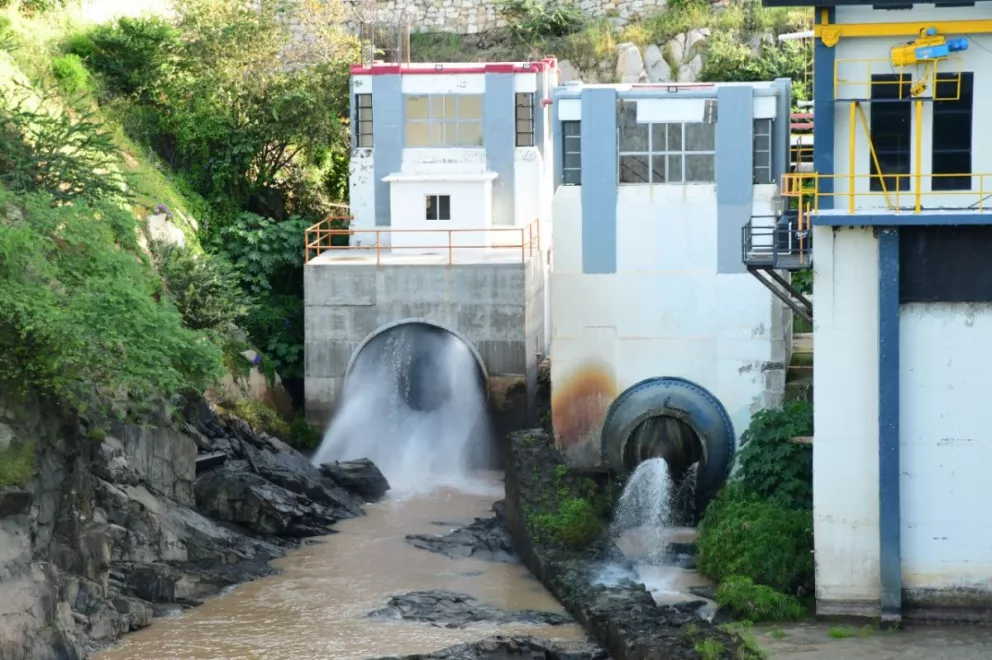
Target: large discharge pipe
(674, 419)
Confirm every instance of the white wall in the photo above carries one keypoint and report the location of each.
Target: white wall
(361, 194)
(945, 445)
(845, 398)
(851, 56)
(471, 209)
(666, 312)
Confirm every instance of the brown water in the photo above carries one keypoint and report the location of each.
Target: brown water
(816, 641)
(316, 609)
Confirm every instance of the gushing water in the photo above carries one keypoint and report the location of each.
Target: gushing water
(413, 403)
(642, 516)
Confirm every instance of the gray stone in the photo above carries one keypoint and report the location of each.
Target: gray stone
(160, 229)
(630, 65)
(449, 609)
(359, 476)
(655, 65)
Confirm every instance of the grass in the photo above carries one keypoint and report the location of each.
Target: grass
(17, 464)
(749, 642)
(841, 633)
(709, 649)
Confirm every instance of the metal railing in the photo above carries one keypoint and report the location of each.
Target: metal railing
(897, 192)
(853, 79)
(783, 242)
(325, 237)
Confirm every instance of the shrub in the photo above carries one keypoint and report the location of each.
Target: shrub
(70, 74)
(205, 288)
(740, 536)
(756, 602)
(132, 55)
(17, 464)
(66, 156)
(81, 319)
(729, 60)
(305, 436)
(533, 20)
(260, 417)
(574, 525)
(772, 466)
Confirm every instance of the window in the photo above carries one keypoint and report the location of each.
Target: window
(571, 160)
(438, 207)
(890, 130)
(444, 120)
(952, 131)
(763, 151)
(525, 119)
(363, 117)
(665, 152)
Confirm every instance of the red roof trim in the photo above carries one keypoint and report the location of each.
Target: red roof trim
(440, 68)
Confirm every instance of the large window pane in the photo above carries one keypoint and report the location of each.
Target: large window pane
(675, 169)
(699, 169)
(658, 169)
(470, 107)
(674, 137)
(470, 134)
(418, 134)
(416, 107)
(700, 137)
(634, 169)
(634, 138)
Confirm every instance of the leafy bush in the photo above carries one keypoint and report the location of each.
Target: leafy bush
(772, 466)
(740, 536)
(260, 417)
(575, 524)
(205, 288)
(70, 74)
(49, 150)
(533, 20)
(81, 317)
(17, 464)
(35, 6)
(305, 436)
(757, 602)
(132, 55)
(729, 60)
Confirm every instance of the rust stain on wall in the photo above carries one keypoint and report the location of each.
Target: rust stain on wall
(579, 404)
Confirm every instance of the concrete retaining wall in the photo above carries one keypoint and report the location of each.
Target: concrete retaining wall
(499, 307)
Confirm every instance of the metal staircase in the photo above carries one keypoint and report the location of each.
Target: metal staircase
(773, 246)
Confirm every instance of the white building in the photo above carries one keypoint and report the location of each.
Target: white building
(902, 286)
(460, 147)
(654, 186)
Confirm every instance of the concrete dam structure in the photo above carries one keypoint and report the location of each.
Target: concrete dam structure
(521, 218)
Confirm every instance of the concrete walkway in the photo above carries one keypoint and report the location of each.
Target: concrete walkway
(825, 642)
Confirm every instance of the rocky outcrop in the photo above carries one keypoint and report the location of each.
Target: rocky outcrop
(623, 618)
(120, 526)
(484, 538)
(506, 648)
(447, 609)
(360, 476)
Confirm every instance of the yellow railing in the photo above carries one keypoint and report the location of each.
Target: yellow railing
(328, 236)
(853, 78)
(900, 192)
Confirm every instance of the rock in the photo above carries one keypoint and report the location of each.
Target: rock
(6, 435)
(485, 539)
(683, 52)
(14, 502)
(568, 73)
(359, 476)
(234, 493)
(630, 66)
(163, 459)
(656, 67)
(505, 648)
(159, 228)
(447, 609)
(255, 386)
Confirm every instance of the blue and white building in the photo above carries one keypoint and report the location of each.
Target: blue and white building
(653, 185)
(898, 207)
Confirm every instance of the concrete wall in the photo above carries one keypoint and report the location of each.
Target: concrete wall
(497, 306)
(648, 279)
(851, 56)
(943, 440)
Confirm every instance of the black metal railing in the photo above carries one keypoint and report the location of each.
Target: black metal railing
(781, 242)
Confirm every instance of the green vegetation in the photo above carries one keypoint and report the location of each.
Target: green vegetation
(756, 538)
(262, 418)
(17, 464)
(709, 649)
(841, 633)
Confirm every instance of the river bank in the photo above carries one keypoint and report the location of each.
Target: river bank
(121, 526)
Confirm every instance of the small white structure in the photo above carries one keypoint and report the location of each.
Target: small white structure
(655, 185)
(462, 147)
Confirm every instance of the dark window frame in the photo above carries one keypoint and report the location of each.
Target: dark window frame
(763, 174)
(952, 117)
(364, 136)
(523, 112)
(891, 131)
(437, 207)
(571, 145)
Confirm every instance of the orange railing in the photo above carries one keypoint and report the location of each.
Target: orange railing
(328, 235)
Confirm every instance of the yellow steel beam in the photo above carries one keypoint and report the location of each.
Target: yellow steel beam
(830, 34)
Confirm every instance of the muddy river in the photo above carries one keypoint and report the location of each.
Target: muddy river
(316, 608)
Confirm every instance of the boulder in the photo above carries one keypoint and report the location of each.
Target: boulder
(448, 609)
(160, 229)
(505, 648)
(630, 66)
(360, 476)
(657, 69)
(485, 539)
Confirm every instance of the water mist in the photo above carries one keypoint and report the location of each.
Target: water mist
(415, 404)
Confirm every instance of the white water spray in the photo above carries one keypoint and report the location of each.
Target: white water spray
(642, 520)
(413, 404)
